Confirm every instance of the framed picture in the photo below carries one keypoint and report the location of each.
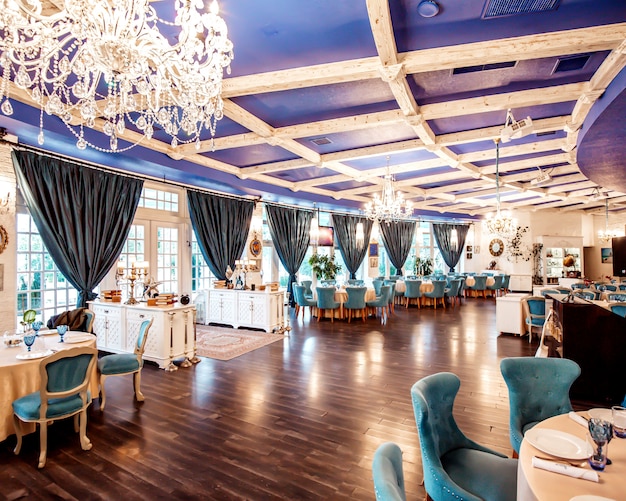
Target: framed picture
(373, 262)
(373, 250)
(468, 255)
(469, 248)
(607, 255)
(476, 249)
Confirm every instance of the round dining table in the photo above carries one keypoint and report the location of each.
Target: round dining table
(534, 484)
(21, 377)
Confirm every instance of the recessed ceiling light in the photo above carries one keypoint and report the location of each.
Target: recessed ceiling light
(428, 8)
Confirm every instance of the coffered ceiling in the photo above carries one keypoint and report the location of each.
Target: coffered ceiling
(325, 95)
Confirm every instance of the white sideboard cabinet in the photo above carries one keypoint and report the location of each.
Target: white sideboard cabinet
(239, 308)
(171, 336)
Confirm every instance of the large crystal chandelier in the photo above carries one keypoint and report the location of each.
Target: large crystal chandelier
(390, 206)
(104, 64)
(502, 222)
(607, 235)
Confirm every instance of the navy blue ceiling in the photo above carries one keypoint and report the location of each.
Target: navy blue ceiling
(300, 129)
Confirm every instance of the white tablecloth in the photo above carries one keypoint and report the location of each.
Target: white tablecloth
(21, 377)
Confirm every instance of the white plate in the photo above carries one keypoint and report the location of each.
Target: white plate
(558, 443)
(33, 355)
(590, 497)
(79, 338)
(47, 332)
(599, 413)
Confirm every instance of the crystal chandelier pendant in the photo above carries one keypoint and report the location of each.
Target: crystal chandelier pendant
(117, 61)
(502, 223)
(390, 206)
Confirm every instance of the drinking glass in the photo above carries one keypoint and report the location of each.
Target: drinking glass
(29, 339)
(61, 329)
(619, 421)
(601, 432)
(36, 326)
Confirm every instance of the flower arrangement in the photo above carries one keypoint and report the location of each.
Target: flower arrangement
(324, 267)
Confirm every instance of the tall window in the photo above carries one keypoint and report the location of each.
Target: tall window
(167, 258)
(201, 275)
(40, 285)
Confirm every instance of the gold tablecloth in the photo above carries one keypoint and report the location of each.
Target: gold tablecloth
(469, 281)
(534, 484)
(21, 377)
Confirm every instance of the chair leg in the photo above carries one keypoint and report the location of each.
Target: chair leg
(363, 314)
(43, 443)
(85, 443)
(103, 395)
(18, 433)
(137, 383)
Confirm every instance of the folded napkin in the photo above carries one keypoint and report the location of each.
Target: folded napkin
(565, 469)
(579, 419)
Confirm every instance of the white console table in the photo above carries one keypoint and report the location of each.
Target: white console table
(244, 308)
(510, 315)
(171, 336)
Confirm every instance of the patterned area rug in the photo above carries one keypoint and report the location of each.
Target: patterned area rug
(223, 343)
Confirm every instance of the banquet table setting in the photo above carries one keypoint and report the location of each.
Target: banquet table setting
(553, 461)
(19, 369)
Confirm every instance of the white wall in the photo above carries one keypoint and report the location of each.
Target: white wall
(8, 282)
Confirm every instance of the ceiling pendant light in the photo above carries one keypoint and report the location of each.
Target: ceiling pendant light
(106, 65)
(607, 235)
(390, 206)
(501, 223)
(360, 234)
(314, 232)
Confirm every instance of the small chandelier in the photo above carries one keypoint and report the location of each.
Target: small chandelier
(390, 206)
(607, 235)
(502, 223)
(107, 59)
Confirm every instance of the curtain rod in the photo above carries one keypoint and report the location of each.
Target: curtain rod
(145, 177)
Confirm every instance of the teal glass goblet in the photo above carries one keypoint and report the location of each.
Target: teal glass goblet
(29, 339)
(36, 326)
(61, 329)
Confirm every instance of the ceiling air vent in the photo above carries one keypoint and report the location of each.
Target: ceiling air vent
(571, 63)
(483, 67)
(546, 133)
(321, 141)
(499, 8)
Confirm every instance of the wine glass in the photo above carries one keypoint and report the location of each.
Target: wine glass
(601, 433)
(61, 329)
(29, 339)
(36, 326)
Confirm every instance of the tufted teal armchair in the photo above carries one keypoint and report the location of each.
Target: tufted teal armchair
(382, 301)
(438, 293)
(480, 285)
(452, 291)
(618, 309)
(355, 302)
(456, 467)
(308, 292)
(388, 473)
(301, 300)
(326, 301)
(538, 389)
(377, 284)
(614, 296)
(413, 291)
(506, 282)
(589, 295)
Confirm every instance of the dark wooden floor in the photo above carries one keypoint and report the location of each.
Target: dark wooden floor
(298, 419)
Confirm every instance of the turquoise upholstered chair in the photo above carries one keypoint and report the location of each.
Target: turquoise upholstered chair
(579, 285)
(545, 292)
(506, 281)
(585, 294)
(412, 292)
(461, 293)
(308, 292)
(621, 287)
(615, 296)
(381, 301)
(326, 301)
(121, 364)
(388, 473)
(356, 301)
(619, 309)
(438, 292)
(538, 389)
(377, 284)
(392, 294)
(456, 467)
(301, 300)
(607, 287)
(534, 313)
(452, 291)
(480, 285)
(64, 392)
(497, 284)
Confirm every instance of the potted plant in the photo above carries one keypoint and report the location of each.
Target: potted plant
(324, 267)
